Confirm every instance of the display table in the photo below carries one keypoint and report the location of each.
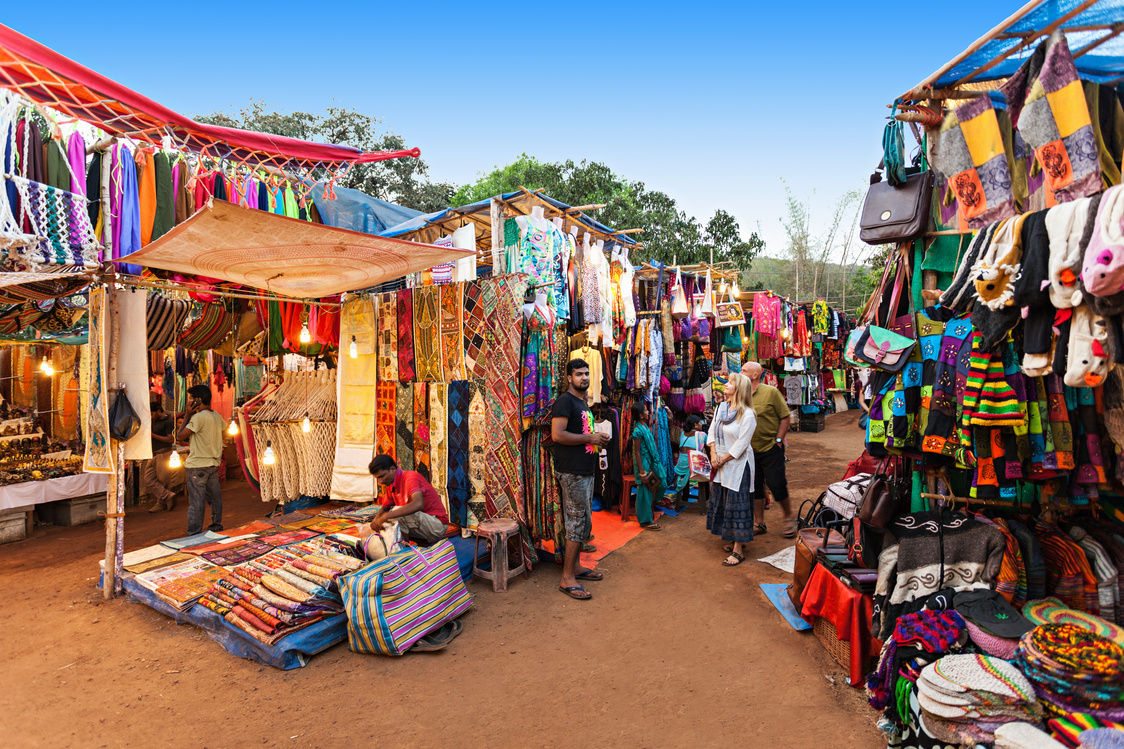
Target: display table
(848, 610)
(51, 490)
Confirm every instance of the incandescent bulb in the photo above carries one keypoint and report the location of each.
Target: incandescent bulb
(306, 425)
(354, 351)
(174, 460)
(45, 367)
(267, 457)
(722, 288)
(232, 430)
(305, 336)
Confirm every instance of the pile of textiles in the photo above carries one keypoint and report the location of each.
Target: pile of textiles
(1074, 670)
(965, 698)
(1071, 730)
(180, 584)
(283, 591)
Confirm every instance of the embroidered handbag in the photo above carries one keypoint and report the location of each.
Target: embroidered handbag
(394, 602)
(884, 349)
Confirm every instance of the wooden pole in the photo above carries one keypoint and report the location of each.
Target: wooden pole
(109, 580)
(115, 489)
(496, 210)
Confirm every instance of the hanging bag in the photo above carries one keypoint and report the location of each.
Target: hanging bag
(881, 347)
(123, 420)
(393, 603)
(679, 306)
(896, 210)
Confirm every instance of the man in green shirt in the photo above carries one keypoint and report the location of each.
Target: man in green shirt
(773, 419)
(203, 429)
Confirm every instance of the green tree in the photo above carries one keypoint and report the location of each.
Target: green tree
(402, 181)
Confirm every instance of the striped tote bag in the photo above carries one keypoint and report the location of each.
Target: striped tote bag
(393, 603)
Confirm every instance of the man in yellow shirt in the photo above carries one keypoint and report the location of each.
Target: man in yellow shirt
(773, 419)
(203, 429)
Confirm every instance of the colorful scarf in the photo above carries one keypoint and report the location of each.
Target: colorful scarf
(386, 410)
(405, 336)
(452, 332)
(209, 329)
(457, 440)
(388, 337)
(438, 441)
(427, 344)
(421, 430)
(971, 156)
(473, 327)
(404, 427)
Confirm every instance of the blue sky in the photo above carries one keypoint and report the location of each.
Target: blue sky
(712, 103)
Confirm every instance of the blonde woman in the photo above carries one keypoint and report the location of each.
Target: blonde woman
(730, 512)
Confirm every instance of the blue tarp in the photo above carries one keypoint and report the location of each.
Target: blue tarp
(358, 211)
(483, 206)
(1103, 64)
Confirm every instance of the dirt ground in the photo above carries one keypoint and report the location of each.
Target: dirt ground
(673, 650)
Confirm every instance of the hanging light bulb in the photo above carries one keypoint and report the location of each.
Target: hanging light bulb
(174, 460)
(785, 334)
(722, 288)
(306, 425)
(354, 351)
(232, 430)
(45, 367)
(268, 457)
(306, 337)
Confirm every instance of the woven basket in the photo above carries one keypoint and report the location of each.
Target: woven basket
(840, 650)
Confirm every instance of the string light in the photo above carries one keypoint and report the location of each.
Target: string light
(306, 337)
(306, 425)
(267, 457)
(174, 460)
(45, 366)
(354, 350)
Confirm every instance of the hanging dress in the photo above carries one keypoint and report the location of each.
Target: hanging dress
(538, 365)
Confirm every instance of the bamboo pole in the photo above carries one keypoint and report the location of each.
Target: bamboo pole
(109, 580)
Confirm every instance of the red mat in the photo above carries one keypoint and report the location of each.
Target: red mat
(609, 534)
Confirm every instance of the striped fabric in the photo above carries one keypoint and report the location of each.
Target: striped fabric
(1068, 575)
(393, 603)
(164, 319)
(209, 329)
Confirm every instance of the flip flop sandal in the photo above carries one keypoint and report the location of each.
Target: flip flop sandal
(440, 638)
(593, 575)
(571, 592)
(760, 529)
(651, 527)
(789, 528)
(589, 548)
(739, 557)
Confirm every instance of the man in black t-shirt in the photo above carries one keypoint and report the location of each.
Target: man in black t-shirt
(163, 498)
(575, 458)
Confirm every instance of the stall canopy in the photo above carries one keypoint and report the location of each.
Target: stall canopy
(432, 226)
(284, 255)
(358, 211)
(1093, 29)
(47, 78)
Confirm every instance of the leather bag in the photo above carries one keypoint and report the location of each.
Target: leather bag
(886, 497)
(884, 349)
(123, 420)
(896, 214)
(809, 543)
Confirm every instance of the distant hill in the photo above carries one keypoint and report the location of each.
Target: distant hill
(779, 275)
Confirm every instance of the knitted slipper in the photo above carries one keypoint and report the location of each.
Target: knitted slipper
(1000, 264)
(1102, 271)
(1088, 359)
(1065, 223)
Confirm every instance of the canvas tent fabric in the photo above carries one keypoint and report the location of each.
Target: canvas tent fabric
(1102, 63)
(46, 77)
(284, 255)
(357, 211)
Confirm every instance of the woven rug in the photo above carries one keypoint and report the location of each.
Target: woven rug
(421, 430)
(404, 427)
(456, 482)
(438, 441)
(386, 399)
(473, 329)
(388, 337)
(477, 447)
(452, 332)
(405, 336)
(427, 346)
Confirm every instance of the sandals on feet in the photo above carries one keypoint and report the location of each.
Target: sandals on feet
(733, 555)
(760, 529)
(651, 527)
(593, 575)
(576, 592)
(789, 528)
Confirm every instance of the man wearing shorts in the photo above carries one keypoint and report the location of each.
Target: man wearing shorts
(575, 458)
(773, 418)
(412, 501)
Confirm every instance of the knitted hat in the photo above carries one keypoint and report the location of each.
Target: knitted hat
(1088, 359)
(980, 675)
(1102, 270)
(1000, 647)
(1052, 611)
(1024, 736)
(992, 613)
(1070, 226)
(1102, 738)
(999, 265)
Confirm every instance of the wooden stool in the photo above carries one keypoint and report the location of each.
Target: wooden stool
(626, 496)
(496, 533)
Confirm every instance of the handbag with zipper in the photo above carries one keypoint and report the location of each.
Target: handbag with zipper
(880, 347)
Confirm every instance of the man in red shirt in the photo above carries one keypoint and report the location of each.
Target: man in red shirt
(411, 501)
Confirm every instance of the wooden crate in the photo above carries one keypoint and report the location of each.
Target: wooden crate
(76, 511)
(812, 422)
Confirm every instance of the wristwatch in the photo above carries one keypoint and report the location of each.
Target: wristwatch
(778, 440)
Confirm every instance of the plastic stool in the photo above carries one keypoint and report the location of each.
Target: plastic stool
(496, 533)
(626, 496)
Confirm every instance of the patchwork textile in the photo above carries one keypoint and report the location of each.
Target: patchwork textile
(165, 318)
(452, 333)
(457, 440)
(288, 537)
(62, 223)
(388, 336)
(970, 154)
(473, 329)
(209, 329)
(404, 427)
(385, 414)
(427, 346)
(477, 446)
(99, 457)
(405, 336)
(421, 430)
(238, 554)
(1048, 106)
(438, 442)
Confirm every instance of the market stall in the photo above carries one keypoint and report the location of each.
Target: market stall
(985, 557)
